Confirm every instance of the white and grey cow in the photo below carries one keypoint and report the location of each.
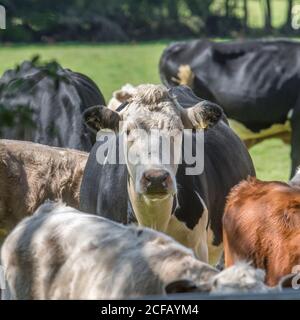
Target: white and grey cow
(62, 253)
(158, 194)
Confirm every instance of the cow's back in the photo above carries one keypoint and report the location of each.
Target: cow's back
(248, 79)
(46, 103)
(261, 224)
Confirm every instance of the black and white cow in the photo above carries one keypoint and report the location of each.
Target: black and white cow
(158, 195)
(256, 82)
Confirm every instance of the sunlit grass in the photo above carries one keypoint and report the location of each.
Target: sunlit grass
(272, 160)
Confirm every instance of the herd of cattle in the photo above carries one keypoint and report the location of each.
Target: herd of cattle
(68, 222)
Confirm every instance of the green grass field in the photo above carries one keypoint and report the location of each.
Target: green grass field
(111, 66)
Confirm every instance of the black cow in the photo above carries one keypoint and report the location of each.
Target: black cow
(158, 195)
(256, 82)
(44, 104)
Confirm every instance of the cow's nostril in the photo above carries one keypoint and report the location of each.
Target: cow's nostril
(165, 176)
(147, 177)
(156, 177)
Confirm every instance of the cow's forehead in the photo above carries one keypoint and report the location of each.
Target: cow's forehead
(151, 107)
(163, 117)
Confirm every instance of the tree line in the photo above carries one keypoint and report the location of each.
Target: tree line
(128, 20)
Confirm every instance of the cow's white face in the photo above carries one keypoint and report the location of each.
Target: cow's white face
(152, 124)
(152, 136)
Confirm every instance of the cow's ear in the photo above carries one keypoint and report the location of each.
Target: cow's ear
(180, 286)
(101, 117)
(203, 115)
(122, 95)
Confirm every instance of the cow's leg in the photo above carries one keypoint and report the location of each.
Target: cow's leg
(215, 253)
(201, 252)
(202, 248)
(229, 260)
(295, 141)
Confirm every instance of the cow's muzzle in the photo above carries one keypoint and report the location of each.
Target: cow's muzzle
(156, 181)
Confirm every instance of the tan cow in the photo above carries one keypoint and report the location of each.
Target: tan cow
(31, 173)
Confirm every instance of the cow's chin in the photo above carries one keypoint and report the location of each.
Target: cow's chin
(159, 195)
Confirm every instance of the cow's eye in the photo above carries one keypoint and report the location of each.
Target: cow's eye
(127, 132)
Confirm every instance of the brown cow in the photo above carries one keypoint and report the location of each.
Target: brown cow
(31, 173)
(261, 224)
